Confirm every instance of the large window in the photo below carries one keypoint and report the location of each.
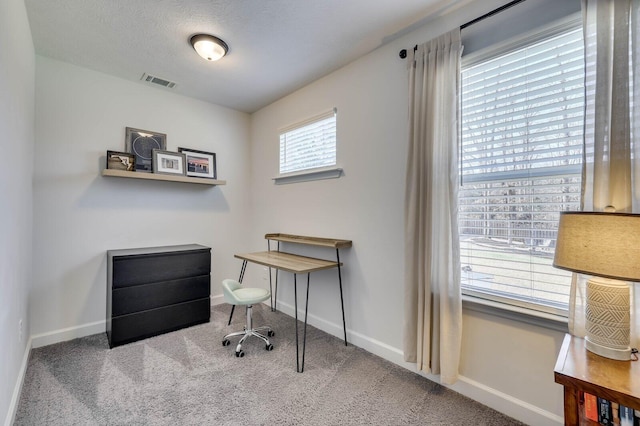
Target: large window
(522, 126)
(309, 145)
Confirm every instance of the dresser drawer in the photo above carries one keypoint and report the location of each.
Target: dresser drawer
(127, 300)
(141, 325)
(158, 267)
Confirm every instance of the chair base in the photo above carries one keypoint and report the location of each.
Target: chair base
(248, 331)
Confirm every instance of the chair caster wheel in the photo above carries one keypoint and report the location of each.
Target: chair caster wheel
(240, 354)
(226, 342)
(269, 347)
(270, 333)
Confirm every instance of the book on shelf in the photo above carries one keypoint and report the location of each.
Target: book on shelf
(590, 407)
(626, 416)
(605, 416)
(611, 413)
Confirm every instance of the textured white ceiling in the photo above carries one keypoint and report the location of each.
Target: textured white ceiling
(276, 46)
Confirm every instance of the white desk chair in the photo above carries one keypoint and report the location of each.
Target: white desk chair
(235, 294)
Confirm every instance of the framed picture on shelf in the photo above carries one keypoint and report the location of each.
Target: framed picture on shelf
(200, 163)
(117, 160)
(168, 162)
(141, 144)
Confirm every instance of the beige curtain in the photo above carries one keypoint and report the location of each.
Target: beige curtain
(611, 166)
(433, 307)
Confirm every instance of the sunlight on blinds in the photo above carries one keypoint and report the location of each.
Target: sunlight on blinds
(309, 145)
(522, 126)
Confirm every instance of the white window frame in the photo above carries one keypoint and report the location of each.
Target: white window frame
(493, 299)
(318, 168)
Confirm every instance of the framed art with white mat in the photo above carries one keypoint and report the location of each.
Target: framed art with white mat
(168, 162)
(200, 163)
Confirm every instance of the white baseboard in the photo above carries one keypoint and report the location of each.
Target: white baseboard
(70, 333)
(513, 407)
(17, 389)
(493, 398)
(217, 300)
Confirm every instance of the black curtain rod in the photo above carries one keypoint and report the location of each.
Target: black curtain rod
(403, 52)
(489, 14)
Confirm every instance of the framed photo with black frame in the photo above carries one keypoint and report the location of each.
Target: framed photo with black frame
(117, 160)
(200, 163)
(168, 162)
(141, 144)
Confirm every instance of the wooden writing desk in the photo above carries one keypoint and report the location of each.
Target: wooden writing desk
(288, 262)
(296, 264)
(579, 370)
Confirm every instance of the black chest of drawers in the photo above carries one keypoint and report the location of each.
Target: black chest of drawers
(156, 290)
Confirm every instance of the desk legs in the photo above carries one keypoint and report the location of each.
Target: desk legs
(274, 295)
(306, 310)
(344, 323)
(295, 310)
(299, 364)
(299, 368)
(242, 269)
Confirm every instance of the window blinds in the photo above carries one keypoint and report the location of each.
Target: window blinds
(309, 145)
(522, 126)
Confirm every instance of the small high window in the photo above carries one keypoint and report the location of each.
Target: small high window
(309, 145)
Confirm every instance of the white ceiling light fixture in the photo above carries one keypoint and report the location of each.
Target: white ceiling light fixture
(209, 47)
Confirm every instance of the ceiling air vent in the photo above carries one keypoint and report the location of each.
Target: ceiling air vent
(157, 80)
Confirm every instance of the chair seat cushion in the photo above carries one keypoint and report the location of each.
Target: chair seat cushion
(249, 296)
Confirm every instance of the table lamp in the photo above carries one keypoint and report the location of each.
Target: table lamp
(607, 247)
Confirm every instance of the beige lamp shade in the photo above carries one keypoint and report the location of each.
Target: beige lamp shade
(606, 246)
(602, 244)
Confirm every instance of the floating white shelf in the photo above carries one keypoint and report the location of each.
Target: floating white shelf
(155, 176)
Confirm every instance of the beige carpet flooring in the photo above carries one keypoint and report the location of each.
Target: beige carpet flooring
(188, 378)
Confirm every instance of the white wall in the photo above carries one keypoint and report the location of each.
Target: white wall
(16, 144)
(515, 361)
(79, 215)
(505, 364)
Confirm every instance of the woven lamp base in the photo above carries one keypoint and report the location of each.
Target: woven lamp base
(608, 318)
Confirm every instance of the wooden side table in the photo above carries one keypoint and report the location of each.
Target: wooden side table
(579, 370)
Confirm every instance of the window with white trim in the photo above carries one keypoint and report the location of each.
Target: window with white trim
(309, 145)
(520, 163)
